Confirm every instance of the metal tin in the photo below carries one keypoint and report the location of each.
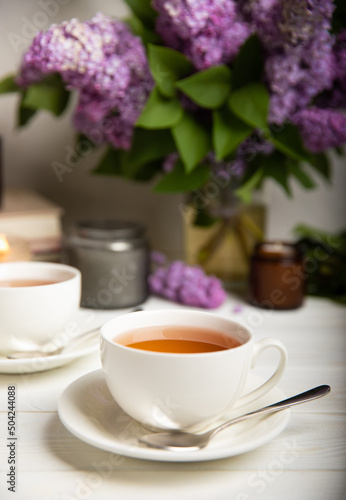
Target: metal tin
(113, 257)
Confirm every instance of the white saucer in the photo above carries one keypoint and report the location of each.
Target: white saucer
(39, 364)
(85, 320)
(88, 411)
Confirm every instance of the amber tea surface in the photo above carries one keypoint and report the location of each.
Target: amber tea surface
(177, 339)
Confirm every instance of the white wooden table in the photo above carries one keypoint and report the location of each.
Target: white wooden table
(306, 461)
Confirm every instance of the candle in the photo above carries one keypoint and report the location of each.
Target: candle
(1, 174)
(4, 246)
(14, 249)
(277, 278)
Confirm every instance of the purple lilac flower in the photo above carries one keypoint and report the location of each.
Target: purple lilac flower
(169, 162)
(105, 63)
(321, 128)
(299, 60)
(253, 145)
(336, 98)
(264, 15)
(187, 285)
(234, 169)
(225, 173)
(297, 78)
(208, 32)
(158, 258)
(238, 308)
(339, 51)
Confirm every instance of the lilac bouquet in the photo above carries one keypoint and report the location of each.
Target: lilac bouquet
(186, 89)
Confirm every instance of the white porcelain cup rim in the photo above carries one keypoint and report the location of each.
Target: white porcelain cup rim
(13, 270)
(110, 336)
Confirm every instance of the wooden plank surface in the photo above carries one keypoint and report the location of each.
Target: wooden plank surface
(309, 442)
(185, 485)
(306, 461)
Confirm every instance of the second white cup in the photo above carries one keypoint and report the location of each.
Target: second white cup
(37, 300)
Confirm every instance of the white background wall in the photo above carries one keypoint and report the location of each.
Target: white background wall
(29, 153)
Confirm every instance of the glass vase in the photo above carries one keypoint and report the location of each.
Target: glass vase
(224, 248)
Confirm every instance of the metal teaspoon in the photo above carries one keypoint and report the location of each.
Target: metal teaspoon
(53, 352)
(186, 441)
(58, 350)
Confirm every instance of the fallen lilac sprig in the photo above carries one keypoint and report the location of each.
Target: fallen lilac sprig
(187, 285)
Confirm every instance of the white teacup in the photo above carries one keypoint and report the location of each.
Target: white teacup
(181, 391)
(32, 313)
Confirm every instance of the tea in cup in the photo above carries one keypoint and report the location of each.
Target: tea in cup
(37, 299)
(181, 369)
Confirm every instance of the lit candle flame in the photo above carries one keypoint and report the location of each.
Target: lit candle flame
(4, 245)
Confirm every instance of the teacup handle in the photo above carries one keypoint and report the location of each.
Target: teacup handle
(258, 348)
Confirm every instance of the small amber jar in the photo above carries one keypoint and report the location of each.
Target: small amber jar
(277, 276)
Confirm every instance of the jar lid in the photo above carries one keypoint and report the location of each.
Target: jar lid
(108, 229)
(277, 250)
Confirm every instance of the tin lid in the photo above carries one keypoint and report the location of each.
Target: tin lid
(109, 229)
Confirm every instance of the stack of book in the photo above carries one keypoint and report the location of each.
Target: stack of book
(32, 217)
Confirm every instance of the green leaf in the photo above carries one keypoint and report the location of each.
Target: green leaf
(24, 114)
(115, 162)
(111, 163)
(138, 28)
(250, 104)
(339, 16)
(8, 84)
(167, 66)
(192, 140)
(147, 172)
(160, 112)
(248, 65)
(143, 10)
(179, 181)
(321, 164)
(49, 94)
(149, 145)
(275, 166)
(203, 218)
(228, 132)
(244, 192)
(289, 142)
(331, 241)
(297, 170)
(143, 161)
(208, 88)
(83, 142)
